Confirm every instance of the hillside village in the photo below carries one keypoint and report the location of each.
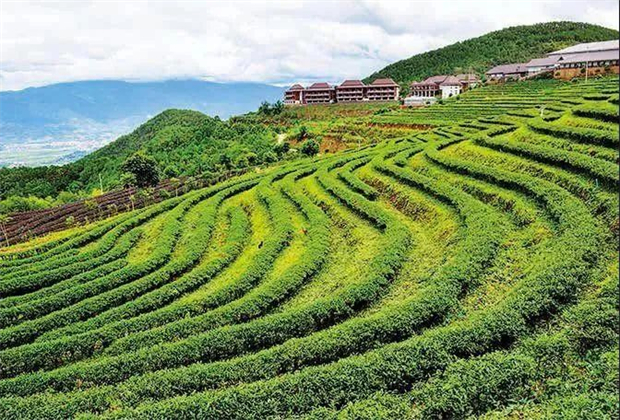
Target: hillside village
(580, 60)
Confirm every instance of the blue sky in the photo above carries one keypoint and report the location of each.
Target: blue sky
(275, 42)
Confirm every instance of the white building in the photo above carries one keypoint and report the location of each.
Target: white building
(450, 87)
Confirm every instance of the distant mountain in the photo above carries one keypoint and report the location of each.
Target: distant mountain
(56, 123)
(511, 45)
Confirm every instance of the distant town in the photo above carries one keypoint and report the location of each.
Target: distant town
(581, 60)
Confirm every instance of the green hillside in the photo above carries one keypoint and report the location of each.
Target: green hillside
(511, 45)
(468, 270)
(183, 142)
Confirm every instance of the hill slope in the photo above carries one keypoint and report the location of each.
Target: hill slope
(182, 142)
(82, 116)
(511, 45)
(468, 271)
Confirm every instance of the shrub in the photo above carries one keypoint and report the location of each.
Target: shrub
(310, 147)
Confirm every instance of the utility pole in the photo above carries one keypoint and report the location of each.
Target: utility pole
(100, 183)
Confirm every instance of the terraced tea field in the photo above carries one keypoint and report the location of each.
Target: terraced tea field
(516, 98)
(465, 272)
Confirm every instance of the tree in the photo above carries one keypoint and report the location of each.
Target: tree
(4, 219)
(269, 110)
(264, 108)
(226, 161)
(241, 162)
(278, 107)
(252, 158)
(144, 168)
(310, 148)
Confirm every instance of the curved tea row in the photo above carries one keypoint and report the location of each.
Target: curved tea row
(462, 271)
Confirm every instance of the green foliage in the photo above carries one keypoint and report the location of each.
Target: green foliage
(269, 110)
(310, 147)
(143, 168)
(17, 204)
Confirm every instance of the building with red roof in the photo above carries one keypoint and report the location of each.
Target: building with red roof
(383, 90)
(294, 95)
(446, 86)
(351, 91)
(319, 93)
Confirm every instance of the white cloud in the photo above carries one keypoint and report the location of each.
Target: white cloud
(275, 42)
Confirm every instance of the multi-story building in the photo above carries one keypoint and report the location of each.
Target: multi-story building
(294, 95)
(383, 90)
(348, 91)
(351, 91)
(444, 85)
(319, 93)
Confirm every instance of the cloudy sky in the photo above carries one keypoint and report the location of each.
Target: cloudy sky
(274, 42)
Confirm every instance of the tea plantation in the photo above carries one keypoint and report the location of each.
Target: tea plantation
(467, 271)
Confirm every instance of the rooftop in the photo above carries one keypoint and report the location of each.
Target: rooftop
(508, 69)
(352, 83)
(384, 82)
(546, 61)
(295, 87)
(590, 56)
(589, 47)
(319, 86)
(431, 81)
(451, 81)
(436, 79)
